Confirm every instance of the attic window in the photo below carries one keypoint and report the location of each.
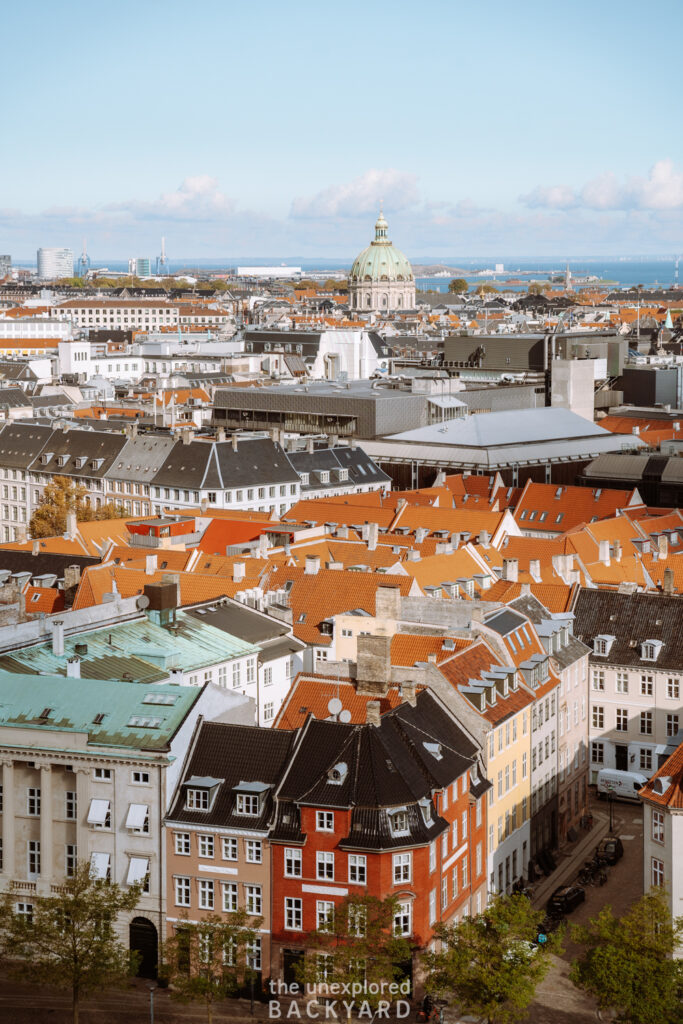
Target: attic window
(426, 808)
(248, 803)
(434, 749)
(99, 718)
(602, 644)
(159, 698)
(143, 722)
(337, 774)
(398, 822)
(302, 617)
(650, 650)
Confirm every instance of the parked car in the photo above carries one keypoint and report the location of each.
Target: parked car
(610, 849)
(565, 899)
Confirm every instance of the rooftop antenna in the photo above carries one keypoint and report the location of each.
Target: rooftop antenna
(83, 262)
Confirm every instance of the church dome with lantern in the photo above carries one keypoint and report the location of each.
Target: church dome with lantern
(381, 278)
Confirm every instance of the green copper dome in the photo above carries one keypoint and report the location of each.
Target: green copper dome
(381, 261)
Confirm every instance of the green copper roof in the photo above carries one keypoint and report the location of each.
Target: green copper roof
(137, 651)
(132, 715)
(381, 260)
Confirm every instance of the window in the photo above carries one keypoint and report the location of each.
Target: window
(141, 778)
(324, 821)
(647, 685)
(182, 891)
(206, 845)
(268, 711)
(236, 674)
(673, 688)
(197, 800)
(478, 859)
(205, 894)
(324, 915)
(248, 803)
(230, 897)
(70, 860)
(182, 843)
(432, 856)
(622, 682)
(524, 765)
(254, 852)
(251, 673)
(293, 914)
(254, 899)
(292, 863)
(229, 849)
(646, 723)
(25, 910)
(71, 805)
(432, 906)
(444, 845)
(646, 759)
(598, 717)
(403, 864)
(657, 871)
(33, 802)
(464, 872)
(622, 719)
(500, 783)
(398, 821)
(598, 753)
(402, 920)
(103, 774)
(671, 725)
(598, 679)
(444, 893)
(268, 675)
(254, 955)
(324, 865)
(658, 826)
(357, 868)
(33, 858)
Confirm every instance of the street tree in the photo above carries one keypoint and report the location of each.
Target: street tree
(490, 965)
(627, 963)
(68, 940)
(61, 496)
(209, 960)
(358, 943)
(458, 286)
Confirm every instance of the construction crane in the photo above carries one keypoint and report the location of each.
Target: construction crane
(83, 265)
(162, 259)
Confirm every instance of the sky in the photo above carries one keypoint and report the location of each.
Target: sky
(273, 130)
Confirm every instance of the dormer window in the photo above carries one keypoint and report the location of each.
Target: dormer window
(324, 476)
(602, 644)
(304, 479)
(650, 650)
(62, 460)
(398, 822)
(200, 792)
(248, 803)
(197, 800)
(427, 811)
(338, 773)
(434, 749)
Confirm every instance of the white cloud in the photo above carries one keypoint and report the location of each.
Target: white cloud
(196, 198)
(662, 189)
(361, 196)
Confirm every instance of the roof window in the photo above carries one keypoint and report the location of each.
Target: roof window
(650, 650)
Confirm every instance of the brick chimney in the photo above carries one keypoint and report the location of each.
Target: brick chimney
(373, 664)
(372, 713)
(312, 567)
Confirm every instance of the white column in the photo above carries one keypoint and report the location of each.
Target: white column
(8, 819)
(46, 851)
(82, 805)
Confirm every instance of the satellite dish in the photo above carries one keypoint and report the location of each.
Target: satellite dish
(345, 716)
(142, 602)
(334, 706)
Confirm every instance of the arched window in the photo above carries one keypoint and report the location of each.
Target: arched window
(368, 302)
(400, 301)
(384, 300)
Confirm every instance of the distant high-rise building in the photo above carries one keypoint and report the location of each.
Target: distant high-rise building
(140, 266)
(55, 263)
(5, 266)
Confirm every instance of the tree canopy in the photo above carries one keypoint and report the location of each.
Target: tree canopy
(626, 963)
(68, 939)
(61, 496)
(458, 286)
(490, 965)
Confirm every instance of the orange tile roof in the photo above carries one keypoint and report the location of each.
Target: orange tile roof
(44, 599)
(575, 505)
(555, 597)
(409, 648)
(311, 694)
(672, 770)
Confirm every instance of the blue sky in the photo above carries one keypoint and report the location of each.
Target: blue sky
(261, 129)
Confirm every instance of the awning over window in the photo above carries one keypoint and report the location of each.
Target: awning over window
(137, 870)
(136, 815)
(99, 809)
(99, 865)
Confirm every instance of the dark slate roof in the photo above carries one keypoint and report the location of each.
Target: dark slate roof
(504, 621)
(15, 370)
(632, 618)
(44, 562)
(361, 468)
(21, 443)
(234, 754)
(238, 620)
(202, 464)
(14, 398)
(91, 445)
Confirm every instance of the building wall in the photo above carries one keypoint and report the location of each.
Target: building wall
(572, 729)
(508, 767)
(666, 853)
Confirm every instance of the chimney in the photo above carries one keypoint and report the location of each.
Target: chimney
(401, 503)
(220, 434)
(373, 533)
(239, 571)
(636, 431)
(604, 552)
(510, 569)
(312, 565)
(373, 664)
(535, 569)
(150, 565)
(21, 535)
(387, 602)
(412, 555)
(310, 445)
(234, 442)
(668, 582)
(263, 545)
(663, 547)
(372, 713)
(72, 576)
(485, 539)
(526, 590)
(35, 548)
(187, 435)
(617, 551)
(58, 637)
(73, 667)
(420, 534)
(203, 506)
(71, 525)
(440, 478)
(409, 693)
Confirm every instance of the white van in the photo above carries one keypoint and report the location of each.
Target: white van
(622, 785)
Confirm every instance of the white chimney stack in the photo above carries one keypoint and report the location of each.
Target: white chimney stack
(58, 637)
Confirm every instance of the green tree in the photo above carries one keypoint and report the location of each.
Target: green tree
(60, 496)
(626, 963)
(486, 289)
(358, 944)
(489, 965)
(68, 940)
(458, 286)
(208, 961)
(535, 288)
